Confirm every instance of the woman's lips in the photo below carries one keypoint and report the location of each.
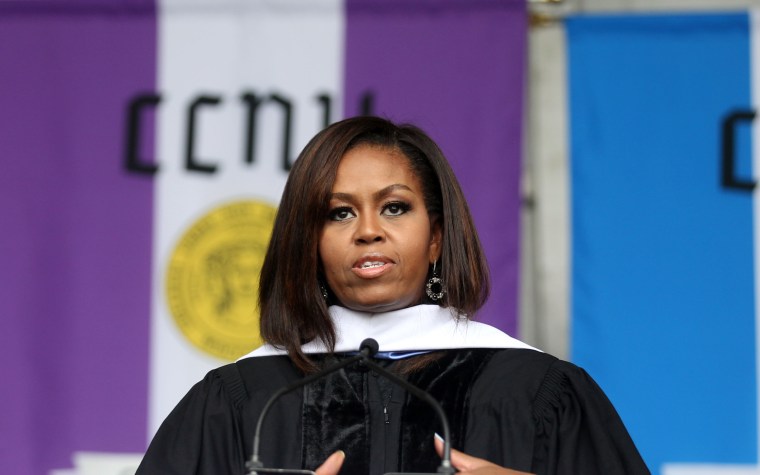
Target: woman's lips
(372, 266)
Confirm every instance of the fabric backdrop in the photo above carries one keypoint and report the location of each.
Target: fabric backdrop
(664, 254)
(144, 148)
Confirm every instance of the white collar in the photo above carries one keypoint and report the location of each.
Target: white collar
(423, 327)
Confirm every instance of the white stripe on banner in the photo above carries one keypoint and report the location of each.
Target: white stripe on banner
(223, 60)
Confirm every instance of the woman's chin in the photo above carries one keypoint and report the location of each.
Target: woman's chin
(377, 306)
(379, 298)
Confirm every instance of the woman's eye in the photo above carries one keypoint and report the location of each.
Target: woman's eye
(396, 208)
(341, 214)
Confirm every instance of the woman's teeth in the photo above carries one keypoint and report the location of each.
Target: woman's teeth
(367, 265)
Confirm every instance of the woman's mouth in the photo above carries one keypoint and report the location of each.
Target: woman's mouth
(367, 265)
(371, 267)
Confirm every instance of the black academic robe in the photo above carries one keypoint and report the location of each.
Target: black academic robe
(518, 408)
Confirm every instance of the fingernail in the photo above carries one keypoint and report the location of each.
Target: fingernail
(438, 436)
(342, 454)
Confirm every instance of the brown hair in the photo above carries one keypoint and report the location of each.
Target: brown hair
(293, 310)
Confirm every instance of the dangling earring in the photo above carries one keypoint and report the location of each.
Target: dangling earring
(435, 288)
(323, 289)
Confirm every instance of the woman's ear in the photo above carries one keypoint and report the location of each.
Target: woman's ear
(436, 239)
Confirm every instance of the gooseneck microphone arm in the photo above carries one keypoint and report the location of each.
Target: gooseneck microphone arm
(369, 348)
(446, 458)
(365, 352)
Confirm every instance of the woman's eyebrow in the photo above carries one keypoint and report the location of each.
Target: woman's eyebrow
(390, 189)
(342, 196)
(376, 195)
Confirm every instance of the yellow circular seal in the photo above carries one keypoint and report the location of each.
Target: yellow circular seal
(212, 279)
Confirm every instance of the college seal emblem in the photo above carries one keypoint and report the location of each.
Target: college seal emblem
(212, 278)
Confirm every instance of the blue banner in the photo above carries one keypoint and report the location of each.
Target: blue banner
(663, 299)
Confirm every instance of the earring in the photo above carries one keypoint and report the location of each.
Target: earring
(323, 289)
(434, 287)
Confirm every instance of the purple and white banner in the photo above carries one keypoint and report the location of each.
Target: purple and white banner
(144, 148)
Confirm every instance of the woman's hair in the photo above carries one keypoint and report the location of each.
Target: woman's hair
(293, 309)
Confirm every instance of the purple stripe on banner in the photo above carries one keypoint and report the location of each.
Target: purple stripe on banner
(76, 233)
(455, 68)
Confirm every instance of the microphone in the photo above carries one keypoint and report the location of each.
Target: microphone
(370, 345)
(368, 348)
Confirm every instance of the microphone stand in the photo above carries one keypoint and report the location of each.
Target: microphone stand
(255, 465)
(369, 347)
(445, 466)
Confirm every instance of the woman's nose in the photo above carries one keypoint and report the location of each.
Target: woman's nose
(369, 229)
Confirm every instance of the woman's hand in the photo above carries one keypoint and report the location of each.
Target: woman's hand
(466, 464)
(332, 465)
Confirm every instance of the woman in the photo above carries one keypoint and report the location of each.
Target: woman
(373, 238)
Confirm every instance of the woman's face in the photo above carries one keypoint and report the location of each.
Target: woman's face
(378, 240)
